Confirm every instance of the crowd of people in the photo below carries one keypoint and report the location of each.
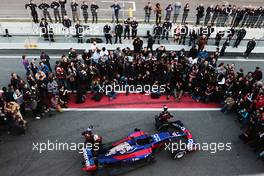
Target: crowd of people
(218, 15)
(196, 72)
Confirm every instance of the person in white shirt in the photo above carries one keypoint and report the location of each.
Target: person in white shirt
(94, 46)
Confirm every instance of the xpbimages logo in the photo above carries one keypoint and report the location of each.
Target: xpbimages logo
(52, 146)
(212, 147)
(146, 89)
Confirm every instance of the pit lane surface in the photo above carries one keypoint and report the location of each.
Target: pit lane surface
(18, 157)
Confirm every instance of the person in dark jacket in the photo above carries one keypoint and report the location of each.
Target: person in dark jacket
(115, 8)
(94, 9)
(150, 41)
(33, 10)
(184, 34)
(55, 6)
(166, 29)
(157, 33)
(84, 8)
(79, 32)
(240, 36)
(257, 75)
(74, 8)
(147, 9)
(250, 47)
(44, 7)
(186, 10)
(66, 24)
(158, 11)
(200, 13)
(260, 17)
(108, 36)
(209, 12)
(118, 32)
(137, 43)
(169, 10)
(216, 13)
(127, 24)
(44, 26)
(193, 38)
(218, 38)
(63, 9)
(238, 17)
(134, 25)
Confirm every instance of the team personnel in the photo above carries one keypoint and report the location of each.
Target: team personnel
(66, 24)
(55, 6)
(158, 11)
(150, 41)
(84, 8)
(250, 47)
(115, 7)
(74, 8)
(63, 9)
(134, 25)
(177, 10)
(209, 12)
(118, 32)
(186, 10)
(184, 34)
(79, 32)
(127, 25)
(44, 7)
(169, 10)
(166, 29)
(200, 13)
(44, 26)
(107, 33)
(240, 36)
(157, 33)
(94, 9)
(147, 9)
(33, 10)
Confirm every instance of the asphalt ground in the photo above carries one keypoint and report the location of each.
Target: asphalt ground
(19, 159)
(16, 9)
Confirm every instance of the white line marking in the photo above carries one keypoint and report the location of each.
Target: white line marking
(58, 57)
(243, 60)
(137, 109)
(121, 2)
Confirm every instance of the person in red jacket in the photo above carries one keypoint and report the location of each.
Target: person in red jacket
(259, 101)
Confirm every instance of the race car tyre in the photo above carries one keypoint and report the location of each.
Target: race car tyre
(179, 154)
(150, 159)
(178, 147)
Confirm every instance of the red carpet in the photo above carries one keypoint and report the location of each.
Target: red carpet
(139, 101)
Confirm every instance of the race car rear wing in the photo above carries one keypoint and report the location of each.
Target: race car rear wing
(89, 164)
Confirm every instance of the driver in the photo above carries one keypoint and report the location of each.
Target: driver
(165, 115)
(88, 135)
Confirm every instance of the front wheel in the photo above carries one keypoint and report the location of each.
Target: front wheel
(178, 154)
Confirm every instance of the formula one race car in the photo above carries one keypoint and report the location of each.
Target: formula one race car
(138, 147)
